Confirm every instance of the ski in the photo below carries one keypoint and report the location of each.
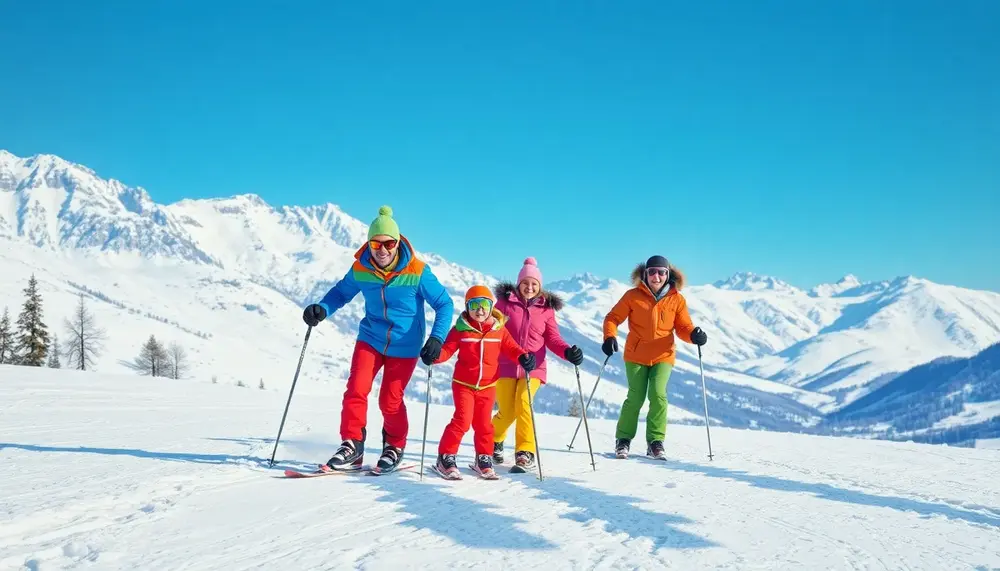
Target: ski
(325, 470)
(456, 475)
(491, 476)
(376, 472)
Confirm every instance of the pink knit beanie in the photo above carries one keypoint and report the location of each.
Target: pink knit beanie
(530, 270)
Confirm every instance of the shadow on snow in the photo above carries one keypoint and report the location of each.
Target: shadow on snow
(619, 513)
(833, 493)
(467, 522)
(137, 453)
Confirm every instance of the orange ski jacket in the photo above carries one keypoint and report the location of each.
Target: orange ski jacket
(652, 323)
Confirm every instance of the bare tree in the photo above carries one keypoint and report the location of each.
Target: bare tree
(153, 359)
(6, 340)
(177, 361)
(85, 338)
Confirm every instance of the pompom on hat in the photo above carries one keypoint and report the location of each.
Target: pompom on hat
(383, 224)
(530, 270)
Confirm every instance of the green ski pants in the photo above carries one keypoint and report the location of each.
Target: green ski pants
(645, 381)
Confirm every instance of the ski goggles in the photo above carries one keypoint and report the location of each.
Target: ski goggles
(388, 244)
(478, 303)
(657, 271)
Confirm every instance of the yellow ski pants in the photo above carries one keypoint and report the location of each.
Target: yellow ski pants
(512, 399)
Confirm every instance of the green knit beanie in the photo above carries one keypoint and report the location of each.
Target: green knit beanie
(384, 224)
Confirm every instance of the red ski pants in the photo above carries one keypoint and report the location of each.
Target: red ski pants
(472, 408)
(365, 364)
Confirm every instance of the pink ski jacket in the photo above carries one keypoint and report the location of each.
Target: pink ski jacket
(533, 326)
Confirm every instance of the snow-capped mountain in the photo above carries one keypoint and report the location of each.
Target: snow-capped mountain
(949, 400)
(846, 283)
(837, 340)
(877, 335)
(233, 273)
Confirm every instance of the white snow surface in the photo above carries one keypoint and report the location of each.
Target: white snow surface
(103, 471)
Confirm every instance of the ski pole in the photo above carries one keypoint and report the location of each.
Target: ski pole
(294, 380)
(583, 413)
(590, 398)
(427, 408)
(534, 427)
(704, 395)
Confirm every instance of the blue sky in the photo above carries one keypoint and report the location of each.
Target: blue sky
(804, 140)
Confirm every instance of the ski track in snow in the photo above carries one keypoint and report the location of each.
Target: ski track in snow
(102, 472)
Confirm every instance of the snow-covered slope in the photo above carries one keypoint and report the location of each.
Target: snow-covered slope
(112, 472)
(877, 335)
(238, 284)
(950, 400)
(236, 271)
(835, 343)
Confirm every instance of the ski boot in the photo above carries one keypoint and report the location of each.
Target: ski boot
(621, 447)
(484, 467)
(447, 467)
(525, 459)
(350, 455)
(655, 450)
(390, 458)
(498, 452)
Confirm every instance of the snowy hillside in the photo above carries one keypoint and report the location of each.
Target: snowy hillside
(882, 331)
(238, 271)
(834, 343)
(229, 276)
(950, 400)
(102, 471)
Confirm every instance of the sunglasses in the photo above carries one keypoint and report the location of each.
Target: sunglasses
(388, 244)
(480, 303)
(656, 271)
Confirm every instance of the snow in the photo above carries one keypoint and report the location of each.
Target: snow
(972, 413)
(208, 272)
(121, 472)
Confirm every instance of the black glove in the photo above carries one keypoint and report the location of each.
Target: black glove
(431, 351)
(699, 337)
(610, 346)
(574, 355)
(313, 315)
(527, 361)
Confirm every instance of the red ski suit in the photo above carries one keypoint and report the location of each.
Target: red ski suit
(473, 386)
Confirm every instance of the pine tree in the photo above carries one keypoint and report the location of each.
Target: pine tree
(54, 354)
(6, 340)
(85, 338)
(33, 334)
(574, 406)
(153, 359)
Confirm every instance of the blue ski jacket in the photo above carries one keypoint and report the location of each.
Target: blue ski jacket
(394, 322)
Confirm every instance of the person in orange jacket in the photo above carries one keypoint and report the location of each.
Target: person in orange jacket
(480, 337)
(657, 313)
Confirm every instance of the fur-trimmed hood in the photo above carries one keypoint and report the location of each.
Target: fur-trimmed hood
(503, 290)
(676, 277)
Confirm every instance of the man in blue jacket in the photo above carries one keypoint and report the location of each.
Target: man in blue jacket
(395, 285)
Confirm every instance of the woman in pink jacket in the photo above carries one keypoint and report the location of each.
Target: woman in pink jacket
(531, 320)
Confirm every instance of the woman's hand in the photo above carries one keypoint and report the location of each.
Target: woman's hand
(699, 337)
(610, 346)
(574, 355)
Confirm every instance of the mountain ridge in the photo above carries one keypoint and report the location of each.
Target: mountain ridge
(763, 332)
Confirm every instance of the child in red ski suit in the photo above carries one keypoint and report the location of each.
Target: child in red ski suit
(479, 337)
